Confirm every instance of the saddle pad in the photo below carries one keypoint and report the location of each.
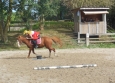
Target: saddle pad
(39, 41)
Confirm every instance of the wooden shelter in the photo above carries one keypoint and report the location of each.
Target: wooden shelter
(90, 20)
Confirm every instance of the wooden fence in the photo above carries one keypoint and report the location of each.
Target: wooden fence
(19, 26)
(108, 37)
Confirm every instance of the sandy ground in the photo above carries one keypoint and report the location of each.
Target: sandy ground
(16, 68)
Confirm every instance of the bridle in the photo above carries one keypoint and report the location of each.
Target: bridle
(18, 43)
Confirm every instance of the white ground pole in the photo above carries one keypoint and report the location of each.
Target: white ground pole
(63, 67)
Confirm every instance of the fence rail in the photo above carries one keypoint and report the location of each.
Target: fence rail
(109, 37)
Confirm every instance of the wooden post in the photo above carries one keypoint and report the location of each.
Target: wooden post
(78, 37)
(88, 27)
(105, 24)
(97, 27)
(87, 39)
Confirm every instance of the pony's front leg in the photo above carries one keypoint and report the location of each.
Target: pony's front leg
(29, 52)
(33, 51)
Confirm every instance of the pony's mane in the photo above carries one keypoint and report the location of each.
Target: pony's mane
(23, 38)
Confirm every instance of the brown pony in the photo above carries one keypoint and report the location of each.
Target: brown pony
(45, 42)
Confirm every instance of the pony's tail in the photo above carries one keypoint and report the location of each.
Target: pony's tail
(57, 40)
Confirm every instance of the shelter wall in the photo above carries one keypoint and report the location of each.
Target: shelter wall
(90, 27)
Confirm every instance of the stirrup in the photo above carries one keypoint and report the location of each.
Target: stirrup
(36, 46)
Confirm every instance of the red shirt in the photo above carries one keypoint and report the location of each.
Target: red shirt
(35, 35)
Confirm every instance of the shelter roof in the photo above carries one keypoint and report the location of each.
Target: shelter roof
(95, 12)
(86, 8)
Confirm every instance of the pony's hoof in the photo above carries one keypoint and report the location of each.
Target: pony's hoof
(27, 57)
(56, 55)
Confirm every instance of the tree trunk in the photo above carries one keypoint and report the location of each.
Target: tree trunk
(42, 22)
(41, 27)
(1, 31)
(4, 26)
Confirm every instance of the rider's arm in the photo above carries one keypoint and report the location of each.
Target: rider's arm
(31, 36)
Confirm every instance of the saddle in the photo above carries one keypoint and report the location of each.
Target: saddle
(39, 41)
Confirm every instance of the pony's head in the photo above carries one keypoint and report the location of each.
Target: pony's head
(22, 39)
(19, 40)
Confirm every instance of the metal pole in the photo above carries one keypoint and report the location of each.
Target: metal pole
(63, 67)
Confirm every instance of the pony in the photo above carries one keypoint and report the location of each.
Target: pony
(45, 42)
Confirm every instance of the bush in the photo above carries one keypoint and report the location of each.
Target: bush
(55, 24)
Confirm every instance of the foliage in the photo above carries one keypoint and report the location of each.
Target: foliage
(111, 17)
(88, 3)
(54, 24)
(48, 8)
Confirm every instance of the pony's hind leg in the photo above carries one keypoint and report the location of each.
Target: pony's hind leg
(51, 50)
(49, 53)
(54, 52)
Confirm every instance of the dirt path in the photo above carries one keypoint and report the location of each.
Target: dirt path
(15, 68)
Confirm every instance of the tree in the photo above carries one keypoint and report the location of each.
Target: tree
(6, 7)
(88, 3)
(48, 8)
(5, 18)
(111, 16)
(24, 11)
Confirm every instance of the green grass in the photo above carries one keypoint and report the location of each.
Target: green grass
(60, 29)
